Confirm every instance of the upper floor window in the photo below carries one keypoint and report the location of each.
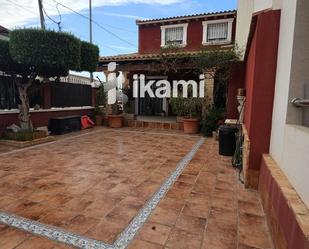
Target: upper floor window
(174, 35)
(217, 31)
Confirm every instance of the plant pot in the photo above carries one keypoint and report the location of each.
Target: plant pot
(98, 120)
(191, 125)
(115, 121)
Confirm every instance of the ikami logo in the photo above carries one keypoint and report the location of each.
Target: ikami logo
(141, 86)
(111, 86)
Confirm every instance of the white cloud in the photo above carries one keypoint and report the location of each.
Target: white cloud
(124, 16)
(20, 12)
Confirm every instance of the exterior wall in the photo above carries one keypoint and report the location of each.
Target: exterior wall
(262, 5)
(290, 141)
(236, 81)
(287, 215)
(41, 117)
(244, 16)
(150, 37)
(260, 83)
(245, 10)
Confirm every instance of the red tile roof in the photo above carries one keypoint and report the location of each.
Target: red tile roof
(139, 57)
(186, 17)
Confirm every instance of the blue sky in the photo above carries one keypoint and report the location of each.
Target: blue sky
(118, 16)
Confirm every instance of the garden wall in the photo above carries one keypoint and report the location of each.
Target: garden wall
(261, 64)
(41, 117)
(287, 215)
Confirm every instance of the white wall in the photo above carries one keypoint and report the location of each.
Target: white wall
(245, 10)
(260, 5)
(289, 144)
(244, 16)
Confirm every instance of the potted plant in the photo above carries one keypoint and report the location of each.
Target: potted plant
(188, 110)
(128, 110)
(100, 105)
(211, 121)
(178, 108)
(191, 119)
(115, 119)
(128, 106)
(98, 113)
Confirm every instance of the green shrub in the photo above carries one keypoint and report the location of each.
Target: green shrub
(187, 107)
(19, 136)
(50, 53)
(6, 62)
(210, 122)
(89, 57)
(177, 105)
(98, 111)
(101, 97)
(5, 58)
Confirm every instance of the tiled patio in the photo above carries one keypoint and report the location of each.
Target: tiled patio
(94, 184)
(207, 208)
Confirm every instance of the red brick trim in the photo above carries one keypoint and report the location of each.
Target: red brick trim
(287, 215)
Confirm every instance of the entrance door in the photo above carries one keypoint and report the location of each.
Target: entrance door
(152, 106)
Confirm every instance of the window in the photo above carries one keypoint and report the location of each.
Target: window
(174, 35)
(217, 31)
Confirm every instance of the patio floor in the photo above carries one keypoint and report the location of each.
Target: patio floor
(94, 184)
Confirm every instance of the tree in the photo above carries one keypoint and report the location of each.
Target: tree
(31, 53)
(89, 56)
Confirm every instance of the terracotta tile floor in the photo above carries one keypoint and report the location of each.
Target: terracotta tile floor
(94, 185)
(91, 185)
(207, 208)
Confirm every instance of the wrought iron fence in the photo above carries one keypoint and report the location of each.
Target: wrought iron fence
(62, 94)
(70, 95)
(8, 93)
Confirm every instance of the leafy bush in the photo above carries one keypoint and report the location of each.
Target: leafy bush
(89, 56)
(98, 111)
(50, 53)
(6, 62)
(5, 58)
(101, 97)
(187, 107)
(177, 105)
(210, 122)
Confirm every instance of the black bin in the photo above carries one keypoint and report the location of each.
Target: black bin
(227, 140)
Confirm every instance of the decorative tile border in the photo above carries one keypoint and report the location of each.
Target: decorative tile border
(53, 233)
(125, 238)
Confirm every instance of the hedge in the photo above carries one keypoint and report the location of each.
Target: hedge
(49, 52)
(6, 62)
(89, 56)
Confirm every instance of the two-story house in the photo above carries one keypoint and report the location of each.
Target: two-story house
(185, 35)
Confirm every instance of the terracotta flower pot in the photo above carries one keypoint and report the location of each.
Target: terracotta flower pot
(191, 125)
(115, 121)
(98, 120)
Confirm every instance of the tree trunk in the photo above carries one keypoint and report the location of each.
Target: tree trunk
(24, 107)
